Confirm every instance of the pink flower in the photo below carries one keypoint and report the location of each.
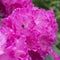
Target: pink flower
(10, 5)
(7, 6)
(33, 28)
(28, 33)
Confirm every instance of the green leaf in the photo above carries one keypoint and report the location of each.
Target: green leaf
(48, 58)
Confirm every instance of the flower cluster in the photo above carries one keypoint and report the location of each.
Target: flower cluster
(9, 5)
(27, 33)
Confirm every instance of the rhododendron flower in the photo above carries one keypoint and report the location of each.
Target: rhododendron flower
(10, 5)
(7, 6)
(30, 34)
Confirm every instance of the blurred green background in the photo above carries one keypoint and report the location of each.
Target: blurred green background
(55, 5)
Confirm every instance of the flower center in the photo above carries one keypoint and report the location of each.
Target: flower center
(22, 26)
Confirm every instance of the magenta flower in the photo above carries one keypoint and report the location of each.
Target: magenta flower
(10, 5)
(30, 34)
(7, 6)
